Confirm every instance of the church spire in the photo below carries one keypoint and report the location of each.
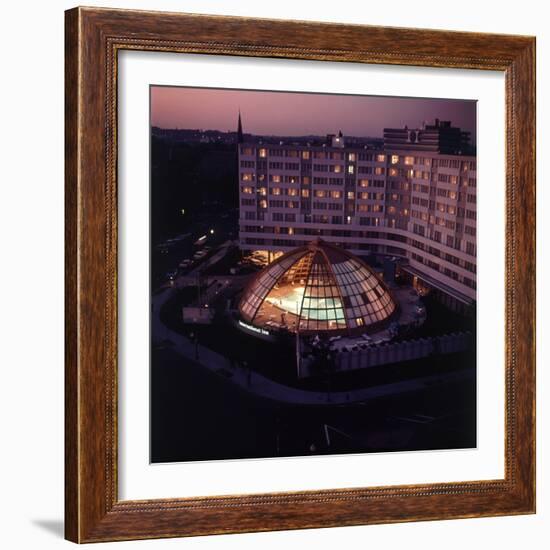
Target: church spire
(240, 138)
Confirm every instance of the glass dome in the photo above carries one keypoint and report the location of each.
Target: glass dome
(315, 288)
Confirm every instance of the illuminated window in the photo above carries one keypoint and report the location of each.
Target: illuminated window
(351, 157)
(293, 192)
(291, 231)
(336, 194)
(305, 193)
(348, 220)
(306, 180)
(321, 193)
(262, 153)
(248, 177)
(305, 155)
(275, 191)
(453, 180)
(452, 194)
(337, 168)
(351, 169)
(405, 212)
(247, 190)
(380, 158)
(394, 159)
(351, 195)
(261, 177)
(379, 170)
(262, 191)
(364, 183)
(263, 203)
(393, 171)
(276, 178)
(409, 161)
(359, 321)
(391, 210)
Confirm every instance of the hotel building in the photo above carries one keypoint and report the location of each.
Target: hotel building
(413, 200)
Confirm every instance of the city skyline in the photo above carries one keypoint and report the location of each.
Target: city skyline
(301, 113)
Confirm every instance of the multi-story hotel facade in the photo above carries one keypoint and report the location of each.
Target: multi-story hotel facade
(414, 200)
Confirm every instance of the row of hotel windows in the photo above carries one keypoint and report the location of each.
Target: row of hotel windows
(336, 169)
(437, 162)
(332, 168)
(320, 154)
(361, 156)
(337, 194)
(445, 270)
(306, 180)
(377, 170)
(316, 205)
(425, 189)
(450, 241)
(459, 212)
(350, 195)
(429, 233)
(319, 193)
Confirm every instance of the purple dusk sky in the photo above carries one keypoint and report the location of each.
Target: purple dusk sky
(293, 113)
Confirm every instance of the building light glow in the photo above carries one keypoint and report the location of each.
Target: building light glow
(341, 174)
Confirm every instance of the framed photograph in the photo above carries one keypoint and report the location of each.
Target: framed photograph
(300, 275)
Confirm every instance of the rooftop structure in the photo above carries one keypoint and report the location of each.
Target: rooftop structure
(440, 137)
(315, 288)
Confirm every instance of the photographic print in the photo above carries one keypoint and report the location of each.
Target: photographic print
(312, 274)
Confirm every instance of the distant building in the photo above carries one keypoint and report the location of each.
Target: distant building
(440, 137)
(414, 200)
